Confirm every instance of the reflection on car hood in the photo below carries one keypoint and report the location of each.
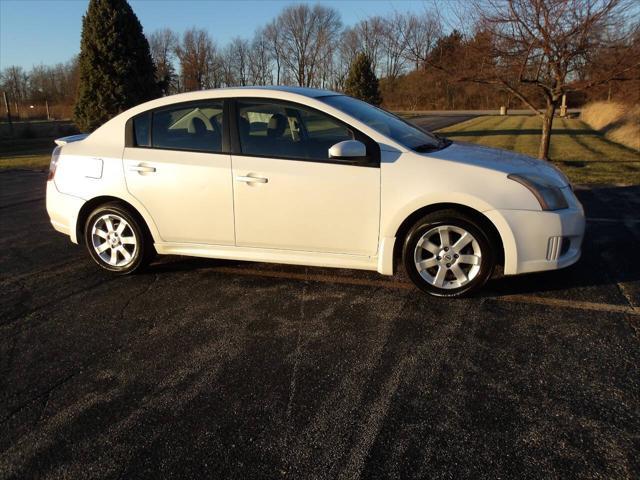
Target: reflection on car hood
(496, 159)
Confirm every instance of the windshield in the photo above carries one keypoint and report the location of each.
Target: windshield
(386, 123)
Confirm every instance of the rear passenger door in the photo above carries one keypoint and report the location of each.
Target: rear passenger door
(176, 167)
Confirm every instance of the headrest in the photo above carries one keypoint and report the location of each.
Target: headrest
(277, 125)
(199, 126)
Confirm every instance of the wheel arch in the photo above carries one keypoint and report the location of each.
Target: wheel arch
(90, 205)
(478, 216)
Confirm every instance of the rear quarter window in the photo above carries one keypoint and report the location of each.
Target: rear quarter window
(141, 126)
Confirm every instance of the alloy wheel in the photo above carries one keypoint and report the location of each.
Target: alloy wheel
(447, 257)
(113, 240)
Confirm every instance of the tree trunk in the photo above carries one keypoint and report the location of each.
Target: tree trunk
(547, 124)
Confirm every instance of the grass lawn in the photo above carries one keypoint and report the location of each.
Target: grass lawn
(583, 154)
(32, 162)
(33, 153)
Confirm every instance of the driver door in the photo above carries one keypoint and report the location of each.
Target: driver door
(288, 193)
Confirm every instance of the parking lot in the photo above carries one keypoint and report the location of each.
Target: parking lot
(218, 369)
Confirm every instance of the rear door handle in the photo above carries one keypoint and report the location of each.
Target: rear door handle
(142, 169)
(250, 179)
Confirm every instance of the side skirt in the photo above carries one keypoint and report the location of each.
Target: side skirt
(267, 255)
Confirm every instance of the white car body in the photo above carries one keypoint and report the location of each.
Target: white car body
(309, 213)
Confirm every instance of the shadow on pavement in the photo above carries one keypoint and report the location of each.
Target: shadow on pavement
(613, 232)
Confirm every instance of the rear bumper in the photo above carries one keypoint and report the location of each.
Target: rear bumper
(63, 211)
(535, 241)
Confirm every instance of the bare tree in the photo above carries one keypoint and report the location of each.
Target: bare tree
(163, 45)
(196, 54)
(306, 33)
(15, 82)
(370, 35)
(543, 47)
(237, 62)
(419, 35)
(347, 49)
(54, 86)
(274, 42)
(260, 60)
(393, 46)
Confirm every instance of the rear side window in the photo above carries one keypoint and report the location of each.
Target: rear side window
(195, 127)
(191, 127)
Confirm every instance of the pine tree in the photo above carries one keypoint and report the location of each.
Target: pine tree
(362, 82)
(116, 69)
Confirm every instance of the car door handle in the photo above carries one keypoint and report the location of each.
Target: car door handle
(250, 179)
(142, 169)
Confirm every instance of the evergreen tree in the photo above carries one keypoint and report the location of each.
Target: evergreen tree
(116, 69)
(362, 82)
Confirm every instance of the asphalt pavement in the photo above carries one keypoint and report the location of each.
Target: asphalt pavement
(216, 369)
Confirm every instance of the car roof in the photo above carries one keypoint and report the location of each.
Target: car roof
(230, 92)
(305, 91)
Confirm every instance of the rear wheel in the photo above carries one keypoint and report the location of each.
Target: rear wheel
(116, 240)
(448, 254)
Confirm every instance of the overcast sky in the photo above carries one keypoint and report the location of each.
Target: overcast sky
(34, 32)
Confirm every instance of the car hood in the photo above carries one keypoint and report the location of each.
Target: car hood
(497, 159)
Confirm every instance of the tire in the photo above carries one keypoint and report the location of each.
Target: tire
(448, 268)
(117, 241)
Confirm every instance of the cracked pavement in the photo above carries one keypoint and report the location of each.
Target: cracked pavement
(217, 369)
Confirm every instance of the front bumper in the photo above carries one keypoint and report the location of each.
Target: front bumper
(63, 211)
(535, 241)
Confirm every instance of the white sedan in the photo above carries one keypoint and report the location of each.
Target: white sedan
(308, 177)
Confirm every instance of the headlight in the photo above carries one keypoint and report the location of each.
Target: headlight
(545, 189)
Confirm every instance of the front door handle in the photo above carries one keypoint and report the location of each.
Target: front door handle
(142, 169)
(250, 179)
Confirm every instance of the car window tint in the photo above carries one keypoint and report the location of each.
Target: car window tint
(287, 131)
(141, 129)
(193, 127)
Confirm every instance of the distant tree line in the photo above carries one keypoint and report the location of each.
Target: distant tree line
(55, 86)
(421, 63)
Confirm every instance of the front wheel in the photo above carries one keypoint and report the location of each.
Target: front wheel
(116, 241)
(448, 254)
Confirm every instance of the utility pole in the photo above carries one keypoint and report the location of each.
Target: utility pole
(46, 104)
(8, 110)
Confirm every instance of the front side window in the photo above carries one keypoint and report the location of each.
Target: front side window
(287, 131)
(386, 123)
(196, 127)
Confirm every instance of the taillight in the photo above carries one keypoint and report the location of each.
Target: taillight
(54, 163)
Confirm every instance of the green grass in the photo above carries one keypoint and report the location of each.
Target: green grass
(585, 155)
(32, 162)
(32, 153)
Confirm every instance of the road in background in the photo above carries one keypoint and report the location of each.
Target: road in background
(436, 122)
(437, 119)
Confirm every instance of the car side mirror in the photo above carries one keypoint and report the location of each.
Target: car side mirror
(348, 150)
